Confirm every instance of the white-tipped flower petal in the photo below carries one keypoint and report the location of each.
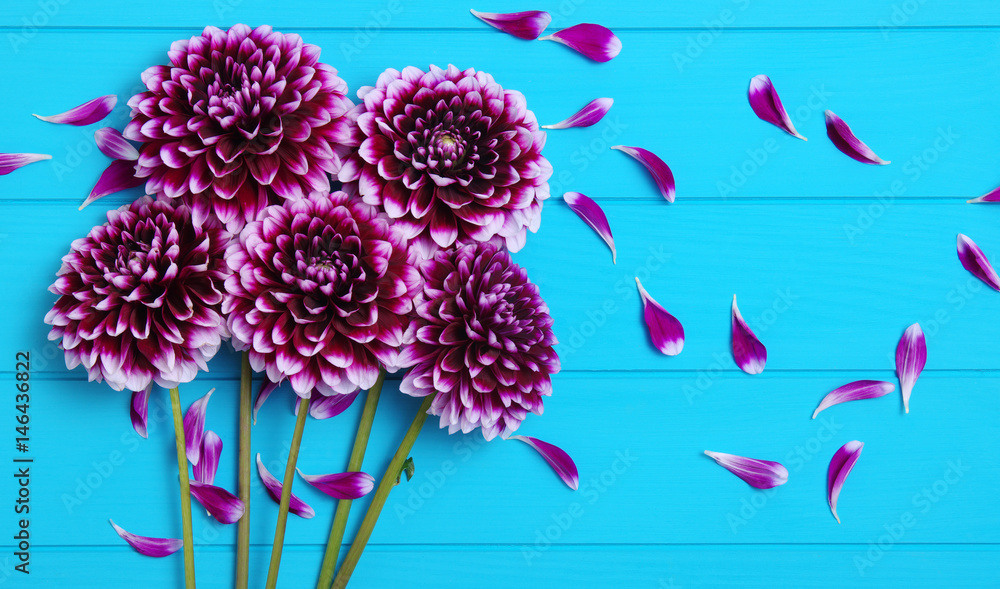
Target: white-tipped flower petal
(586, 116)
(749, 353)
(594, 41)
(220, 503)
(12, 161)
(760, 474)
(194, 427)
(660, 171)
(665, 331)
(342, 485)
(274, 486)
(765, 103)
(845, 140)
(992, 196)
(138, 410)
(211, 451)
(840, 466)
(118, 176)
(557, 458)
(266, 388)
(85, 114)
(523, 25)
(974, 260)
(911, 356)
(592, 215)
(855, 391)
(155, 547)
(323, 407)
(113, 144)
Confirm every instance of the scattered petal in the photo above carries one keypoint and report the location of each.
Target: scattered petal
(750, 354)
(974, 260)
(342, 485)
(211, 450)
(992, 196)
(592, 215)
(586, 116)
(194, 427)
(661, 172)
(113, 144)
(220, 503)
(273, 486)
(911, 356)
(139, 409)
(266, 388)
(765, 102)
(325, 407)
(840, 466)
(523, 25)
(156, 547)
(12, 161)
(761, 474)
(665, 330)
(841, 135)
(855, 391)
(85, 114)
(557, 459)
(594, 41)
(120, 175)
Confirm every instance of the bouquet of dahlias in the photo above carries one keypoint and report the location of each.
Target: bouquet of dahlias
(330, 243)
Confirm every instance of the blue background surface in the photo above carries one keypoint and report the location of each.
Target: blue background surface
(831, 261)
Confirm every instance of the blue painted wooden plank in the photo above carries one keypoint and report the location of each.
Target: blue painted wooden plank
(372, 16)
(923, 99)
(826, 285)
(637, 440)
(456, 568)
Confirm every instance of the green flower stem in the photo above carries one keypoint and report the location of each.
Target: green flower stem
(353, 465)
(381, 495)
(286, 494)
(243, 530)
(182, 464)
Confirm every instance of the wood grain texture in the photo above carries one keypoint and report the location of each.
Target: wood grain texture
(831, 261)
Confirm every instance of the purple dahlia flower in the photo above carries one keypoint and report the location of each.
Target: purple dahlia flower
(451, 156)
(483, 341)
(321, 293)
(140, 297)
(238, 120)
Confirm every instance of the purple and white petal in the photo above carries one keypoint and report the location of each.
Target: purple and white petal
(113, 144)
(992, 196)
(325, 407)
(266, 388)
(273, 486)
(120, 175)
(749, 353)
(557, 458)
(592, 215)
(342, 485)
(855, 391)
(194, 427)
(155, 547)
(842, 136)
(657, 168)
(220, 503)
(594, 41)
(523, 25)
(765, 103)
(586, 116)
(974, 260)
(138, 410)
(12, 161)
(211, 450)
(665, 331)
(840, 466)
(85, 114)
(911, 356)
(761, 474)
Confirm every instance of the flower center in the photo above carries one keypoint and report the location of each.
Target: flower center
(446, 150)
